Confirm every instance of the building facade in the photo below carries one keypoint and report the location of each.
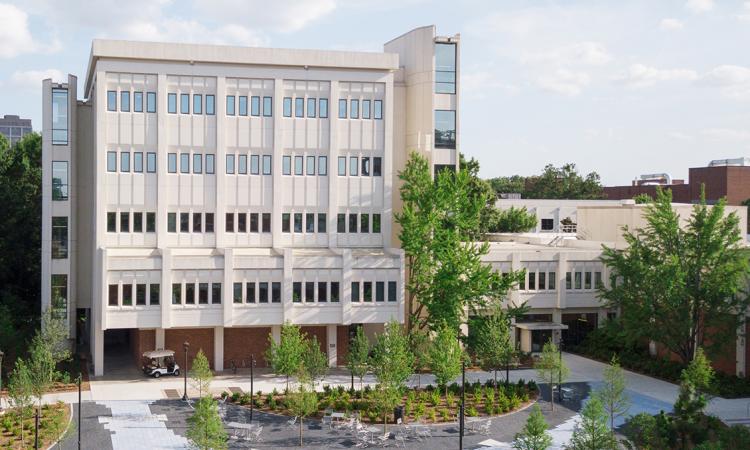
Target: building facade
(14, 128)
(210, 194)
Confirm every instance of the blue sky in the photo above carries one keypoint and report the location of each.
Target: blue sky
(620, 87)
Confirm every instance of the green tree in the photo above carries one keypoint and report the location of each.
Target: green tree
(20, 392)
(419, 341)
(551, 368)
(515, 184)
(673, 283)
(392, 364)
(445, 356)
(358, 357)
(564, 182)
(647, 432)
(303, 403)
(41, 366)
(643, 198)
(53, 334)
(692, 398)
(285, 357)
(534, 435)
(591, 432)
(200, 374)
(514, 220)
(614, 399)
(494, 346)
(205, 430)
(314, 361)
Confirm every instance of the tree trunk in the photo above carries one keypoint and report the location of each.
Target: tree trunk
(507, 374)
(552, 395)
(300, 431)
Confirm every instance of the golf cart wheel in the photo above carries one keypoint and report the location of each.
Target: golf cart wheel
(177, 373)
(157, 374)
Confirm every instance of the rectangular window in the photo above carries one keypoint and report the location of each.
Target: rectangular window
(59, 180)
(377, 166)
(140, 294)
(254, 164)
(137, 101)
(111, 100)
(334, 291)
(285, 222)
(250, 292)
(255, 105)
(209, 223)
(364, 223)
(172, 162)
(176, 293)
(137, 222)
(309, 292)
(298, 165)
(365, 166)
(210, 163)
(266, 164)
(237, 293)
(542, 281)
(111, 222)
(354, 109)
(267, 107)
(445, 129)
(242, 165)
(323, 108)
(230, 105)
(241, 222)
(172, 222)
(266, 222)
(309, 223)
(376, 223)
(378, 109)
(342, 166)
(321, 222)
(112, 299)
(153, 294)
(578, 280)
(299, 107)
(352, 223)
(125, 101)
(189, 293)
(598, 280)
(392, 291)
(341, 223)
(297, 291)
(172, 103)
(587, 280)
(197, 104)
(353, 166)
(243, 105)
(184, 162)
(197, 162)
(150, 222)
(365, 109)
(230, 164)
(203, 293)
(445, 68)
(311, 109)
(229, 223)
(125, 222)
(184, 103)
(342, 108)
(355, 291)
(286, 165)
(367, 291)
(263, 292)
(275, 292)
(59, 238)
(380, 291)
(532, 281)
(124, 161)
(310, 165)
(184, 222)
(210, 105)
(111, 161)
(322, 165)
(151, 102)
(298, 222)
(522, 283)
(197, 222)
(548, 224)
(322, 291)
(287, 107)
(138, 162)
(127, 295)
(253, 222)
(551, 279)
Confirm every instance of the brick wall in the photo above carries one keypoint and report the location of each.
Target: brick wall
(240, 343)
(141, 341)
(199, 338)
(681, 193)
(342, 344)
(320, 333)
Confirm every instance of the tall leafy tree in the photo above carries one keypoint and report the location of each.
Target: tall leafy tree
(692, 399)
(591, 432)
(534, 435)
(494, 346)
(672, 283)
(513, 220)
(205, 430)
(314, 361)
(551, 368)
(285, 357)
(445, 356)
(302, 403)
(612, 394)
(564, 182)
(392, 364)
(200, 374)
(358, 357)
(21, 391)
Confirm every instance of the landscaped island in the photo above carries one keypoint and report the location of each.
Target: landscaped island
(17, 426)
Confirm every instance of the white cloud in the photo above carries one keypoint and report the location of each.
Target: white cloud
(564, 82)
(734, 81)
(32, 79)
(726, 134)
(585, 53)
(175, 30)
(277, 15)
(640, 75)
(680, 136)
(671, 24)
(744, 15)
(477, 83)
(15, 37)
(700, 6)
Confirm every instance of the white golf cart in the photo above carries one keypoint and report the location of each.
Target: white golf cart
(160, 362)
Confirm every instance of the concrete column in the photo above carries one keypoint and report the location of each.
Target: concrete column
(276, 333)
(515, 264)
(228, 292)
(166, 290)
(333, 165)
(562, 269)
(557, 315)
(388, 165)
(97, 350)
(346, 286)
(278, 151)
(331, 347)
(288, 305)
(221, 162)
(160, 338)
(218, 349)
(162, 145)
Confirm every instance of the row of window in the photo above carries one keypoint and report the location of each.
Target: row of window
(125, 222)
(376, 169)
(241, 222)
(137, 101)
(371, 109)
(583, 280)
(546, 281)
(366, 292)
(238, 106)
(202, 222)
(197, 163)
(358, 223)
(286, 220)
(185, 104)
(242, 167)
(300, 166)
(539, 281)
(145, 294)
(315, 107)
(196, 292)
(137, 161)
(256, 292)
(363, 221)
(310, 291)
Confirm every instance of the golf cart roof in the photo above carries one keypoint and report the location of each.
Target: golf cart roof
(158, 353)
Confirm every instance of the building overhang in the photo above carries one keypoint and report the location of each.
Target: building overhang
(536, 326)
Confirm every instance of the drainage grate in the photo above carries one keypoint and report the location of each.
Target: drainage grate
(172, 394)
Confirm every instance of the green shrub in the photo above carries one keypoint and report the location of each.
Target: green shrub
(515, 402)
(735, 437)
(420, 409)
(435, 397)
(411, 396)
(489, 396)
(432, 414)
(269, 399)
(275, 392)
(236, 397)
(471, 411)
(224, 394)
(445, 414)
(244, 399)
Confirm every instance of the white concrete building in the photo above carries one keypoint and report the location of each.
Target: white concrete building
(209, 194)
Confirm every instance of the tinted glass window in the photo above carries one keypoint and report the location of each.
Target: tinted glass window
(267, 106)
(254, 164)
(286, 165)
(298, 163)
(230, 105)
(378, 109)
(151, 102)
(230, 164)
(59, 180)
(310, 107)
(323, 108)
(197, 163)
(365, 109)
(309, 223)
(322, 165)
(210, 163)
(342, 109)
(124, 161)
(243, 105)
(287, 107)
(342, 166)
(111, 100)
(299, 107)
(172, 222)
(210, 106)
(341, 223)
(266, 222)
(354, 112)
(355, 291)
(172, 103)
(150, 222)
(111, 161)
(392, 291)
(445, 129)
(310, 165)
(298, 222)
(352, 223)
(445, 68)
(242, 165)
(184, 103)
(172, 162)
(353, 166)
(60, 116)
(111, 222)
(138, 101)
(138, 162)
(197, 104)
(255, 106)
(184, 163)
(266, 164)
(377, 168)
(125, 101)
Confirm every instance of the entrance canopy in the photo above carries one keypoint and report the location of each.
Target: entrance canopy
(534, 326)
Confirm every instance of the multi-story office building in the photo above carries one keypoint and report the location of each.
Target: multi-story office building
(14, 128)
(211, 194)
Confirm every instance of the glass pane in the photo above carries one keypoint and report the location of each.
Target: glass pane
(310, 165)
(378, 109)
(138, 101)
(254, 164)
(230, 105)
(353, 166)
(287, 107)
(354, 113)
(323, 108)
(59, 237)
(286, 165)
(172, 162)
(210, 163)
(298, 162)
(230, 164)
(172, 103)
(127, 294)
(242, 166)
(184, 163)
(243, 105)
(210, 105)
(255, 106)
(125, 162)
(309, 223)
(184, 103)
(138, 162)
(60, 116)
(445, 57)
(299, 107)
(111, 101)
(266, 164)
(342, 109)
(365, 109)
(445, 129)
(342, 166)
(111, 162)
(59, 180)
(267, 107)
(197, 104)
(151, 103)
(263, 292)
(125, 101)
(153, 294)
(323, 165)
(310, 107)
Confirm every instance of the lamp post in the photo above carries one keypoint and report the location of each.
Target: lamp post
(461, 410)
(252, 390)
(80, 379)
(185, 346)
(1, 378)
(559, 371)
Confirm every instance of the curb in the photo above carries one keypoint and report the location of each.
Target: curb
(70, 421)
